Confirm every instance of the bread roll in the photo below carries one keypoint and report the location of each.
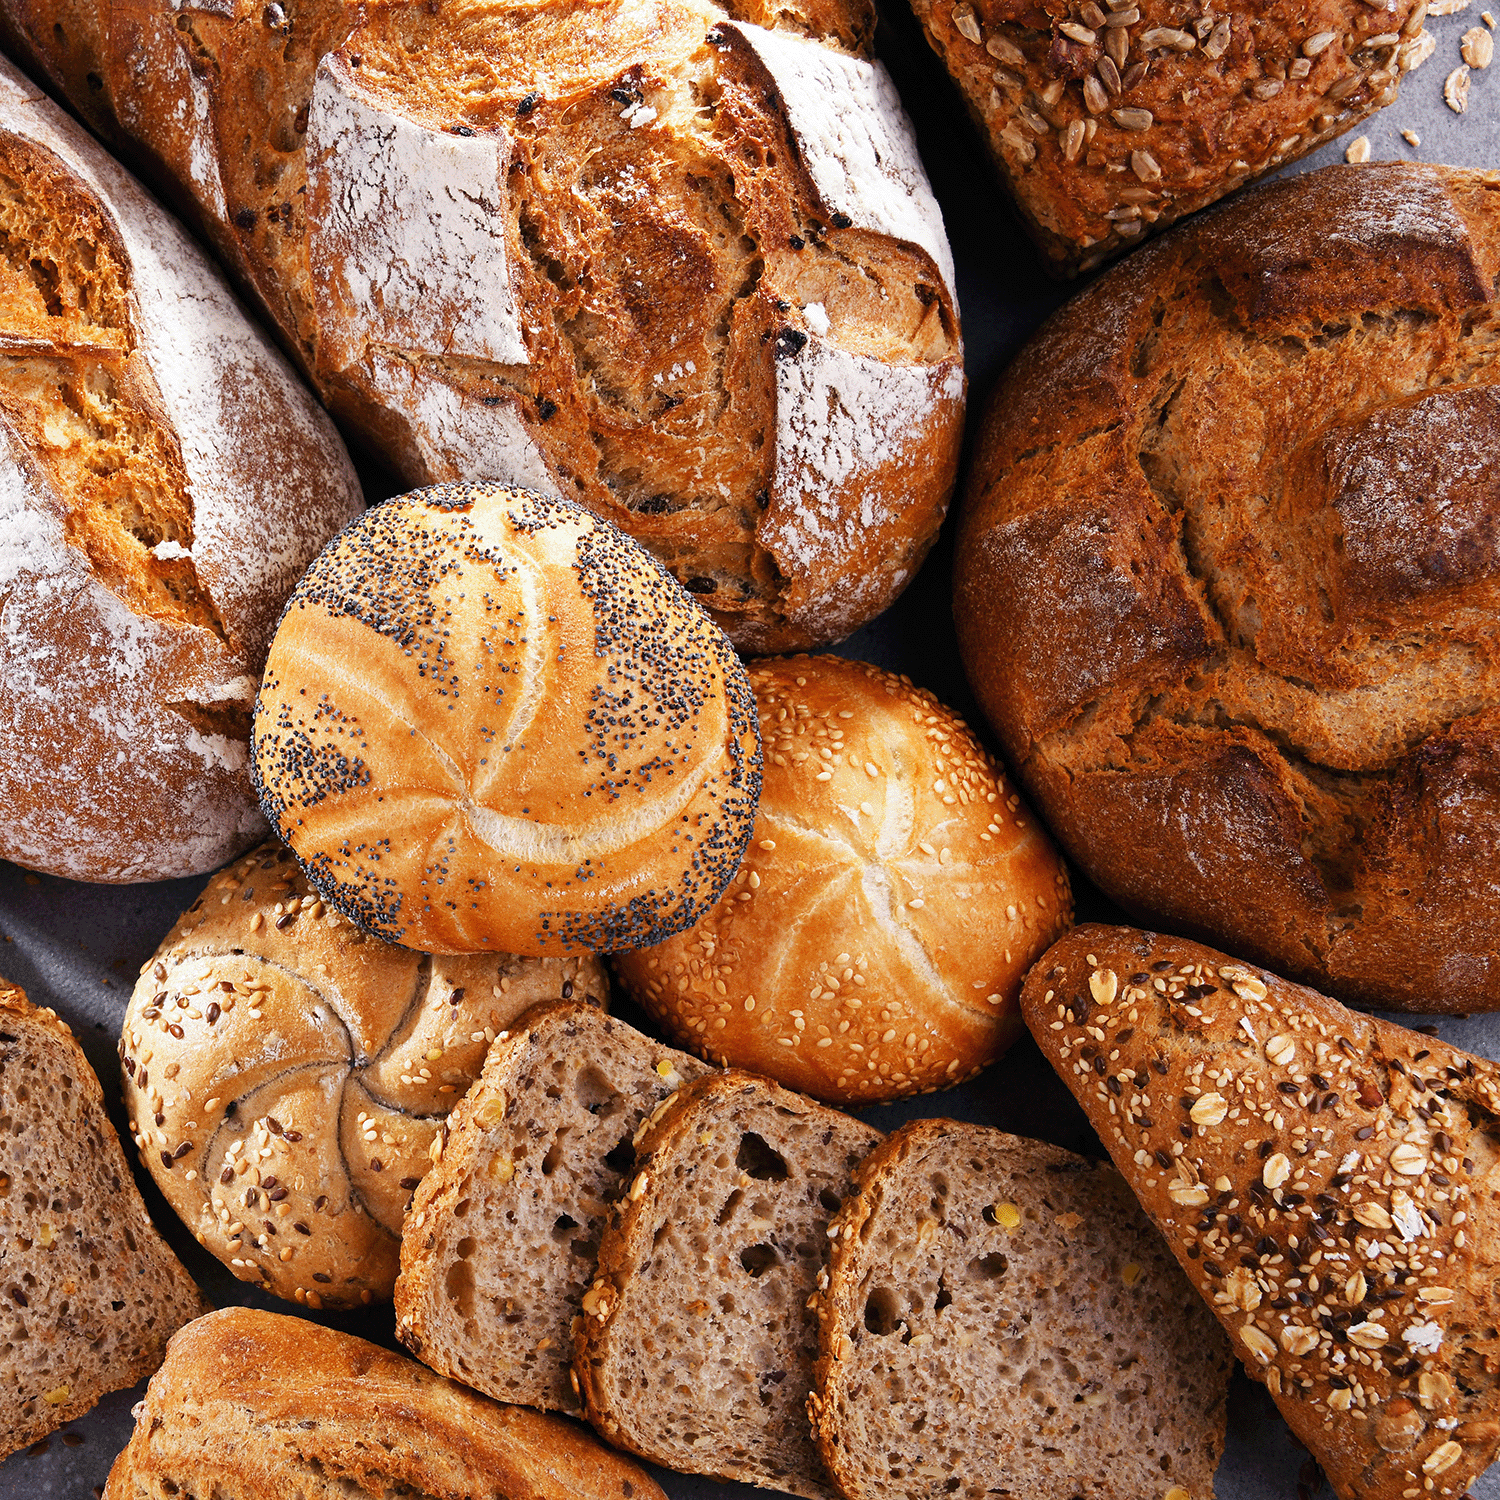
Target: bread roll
(894, 893)
(490, 721)
(1227, 579)
(163, 481)
(287, 1076)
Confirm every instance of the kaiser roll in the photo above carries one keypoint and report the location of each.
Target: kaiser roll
(286, 1075)
(1228, 577)
(894, 893)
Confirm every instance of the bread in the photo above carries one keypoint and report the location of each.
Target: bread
(698, 1337)
(1000, 1311)
(1326, 1179)
(1110, 121)
(163, 481)
(1226, 582)
(893, 895)
(490, 721)
(259, 1406)
(89, 1292)
(633, 255)
(287, 1077)
(502, 1236)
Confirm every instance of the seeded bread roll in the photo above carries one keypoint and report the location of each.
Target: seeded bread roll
(1327, 1180)
(287, 1076)
(164, 479)
(893, 895)
(1227, 579)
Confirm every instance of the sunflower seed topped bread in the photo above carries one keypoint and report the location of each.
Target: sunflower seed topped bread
(1000, 1310)
(89, 1292)
(698, 1338)
(259, 1406)
(502, 1236)
(287, 1075)
(1227, 579)
(1327, 1180)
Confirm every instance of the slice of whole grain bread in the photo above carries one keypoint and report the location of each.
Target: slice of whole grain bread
(500, 1241)
(698, 1338)
(1000, 1317)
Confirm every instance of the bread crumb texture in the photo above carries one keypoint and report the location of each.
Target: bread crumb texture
(1227, 581)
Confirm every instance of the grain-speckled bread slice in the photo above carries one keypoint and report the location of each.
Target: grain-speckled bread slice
(697, 1345)
(502, 1235)
(257, 1406)
(1327, 1180)
(89, 1292)
(1001, 1311)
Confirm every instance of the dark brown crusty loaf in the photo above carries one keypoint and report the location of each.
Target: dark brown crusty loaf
(1110, 119)
(1228, 575)
(1000, 1311)
(259, 1406)
(89, 1292)
(1327, 1180)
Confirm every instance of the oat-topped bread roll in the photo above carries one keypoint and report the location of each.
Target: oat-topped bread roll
(259, 1406)
(649, 254)
(1227, 581)
(894, 893)
(164, 479)
(89, 1292)
(490, 721)
(287, 1076)
(1327, 1180)
(1109, 119)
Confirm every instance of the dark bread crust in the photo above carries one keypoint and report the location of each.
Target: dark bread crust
(1227, 580)
(1327, 1180)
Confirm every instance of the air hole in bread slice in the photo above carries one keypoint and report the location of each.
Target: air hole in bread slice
(758, 1259)
(882, 1311)
(760, 1160)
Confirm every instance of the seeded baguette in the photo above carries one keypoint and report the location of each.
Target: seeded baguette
(698, 1337)
(502, 1235)
(1001, 1310)
(1326, 1179)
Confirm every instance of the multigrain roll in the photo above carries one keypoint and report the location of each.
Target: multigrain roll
(490, 721)
(286, 1076)
(894, 894)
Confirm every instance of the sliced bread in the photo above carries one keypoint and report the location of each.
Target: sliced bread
(89, 1292)
(501, 1238)
(697, 1345)
(1001, 1318)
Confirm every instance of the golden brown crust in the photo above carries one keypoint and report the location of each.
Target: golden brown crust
(1327, 1180)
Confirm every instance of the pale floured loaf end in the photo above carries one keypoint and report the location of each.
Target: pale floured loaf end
(1001, 1313)
(502, 1237)
(89, 1292)
(492, 722)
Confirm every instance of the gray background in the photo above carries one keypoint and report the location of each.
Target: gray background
(78, 947)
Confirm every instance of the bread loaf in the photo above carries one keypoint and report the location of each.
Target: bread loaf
(163, 481)
(892, 896)
(287, 1076)
(1327, 1180)
(1226, 581)
(656, 258)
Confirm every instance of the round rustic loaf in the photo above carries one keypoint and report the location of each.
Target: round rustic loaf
(655, 257)
(490, 721)
(286, 1075)
(164, 479)
(894, 894)
(1228, 574)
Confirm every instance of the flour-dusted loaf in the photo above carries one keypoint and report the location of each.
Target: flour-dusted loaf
(1227, 581)
(287, 1076)
(89, 1292)
(1327, 1180)
(698, 1339)
(502, 1236)
(675, 260)
(259, 1406)
(1000, 1311)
